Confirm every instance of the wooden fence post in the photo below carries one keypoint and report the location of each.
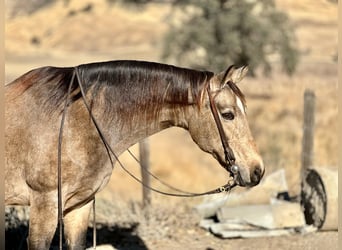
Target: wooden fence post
(313, 191)
(144, 154)
(308, 130)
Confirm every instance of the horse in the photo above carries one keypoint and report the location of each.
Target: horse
(129, 100)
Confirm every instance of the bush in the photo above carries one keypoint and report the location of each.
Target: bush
(210, 34)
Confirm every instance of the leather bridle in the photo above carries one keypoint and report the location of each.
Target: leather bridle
(228, 152)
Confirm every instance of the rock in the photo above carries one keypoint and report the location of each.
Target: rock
(102, 247)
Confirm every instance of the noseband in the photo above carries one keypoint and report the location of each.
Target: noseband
(228, 152)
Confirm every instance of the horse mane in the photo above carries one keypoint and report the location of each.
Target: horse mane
(139, 86)
(126, 86)
(147, 82)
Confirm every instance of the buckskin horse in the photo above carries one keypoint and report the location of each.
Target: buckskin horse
(129, 100)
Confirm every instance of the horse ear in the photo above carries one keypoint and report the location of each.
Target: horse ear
(232, 73)
(238, 74)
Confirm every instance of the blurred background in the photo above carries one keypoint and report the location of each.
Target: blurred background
(289, 45)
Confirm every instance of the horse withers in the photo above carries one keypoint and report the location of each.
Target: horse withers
(130, 100)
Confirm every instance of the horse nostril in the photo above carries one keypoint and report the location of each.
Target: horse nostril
(256, 175)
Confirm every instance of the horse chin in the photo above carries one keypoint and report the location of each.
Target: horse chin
(242, 183)
(239, 181)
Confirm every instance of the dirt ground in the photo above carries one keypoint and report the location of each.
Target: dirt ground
(174, 225)
(168, 226)
(274, 106)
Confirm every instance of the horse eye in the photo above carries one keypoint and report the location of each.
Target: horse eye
(228, 115)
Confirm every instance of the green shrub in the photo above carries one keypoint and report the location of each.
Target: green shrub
(211, 34)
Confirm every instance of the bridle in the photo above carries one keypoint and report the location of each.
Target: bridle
(229, 155)
(228, 152)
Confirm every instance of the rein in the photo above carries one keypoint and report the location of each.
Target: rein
(229, 157)
(223, 188)
(59, 163)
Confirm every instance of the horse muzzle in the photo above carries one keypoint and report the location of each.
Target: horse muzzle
(247, 176)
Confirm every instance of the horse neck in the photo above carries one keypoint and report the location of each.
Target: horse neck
(126, 131)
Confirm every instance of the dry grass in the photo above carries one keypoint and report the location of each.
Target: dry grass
(278, 122)
(102, 29)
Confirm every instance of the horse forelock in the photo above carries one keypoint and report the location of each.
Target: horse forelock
(236, 90)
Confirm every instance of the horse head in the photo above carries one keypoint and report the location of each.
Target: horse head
(224, 98)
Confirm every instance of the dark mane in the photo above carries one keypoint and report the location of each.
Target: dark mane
(48, 85)
(132, 87)
(146, 81)
(127, 87)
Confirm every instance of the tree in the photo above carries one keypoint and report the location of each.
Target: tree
(210, 34)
